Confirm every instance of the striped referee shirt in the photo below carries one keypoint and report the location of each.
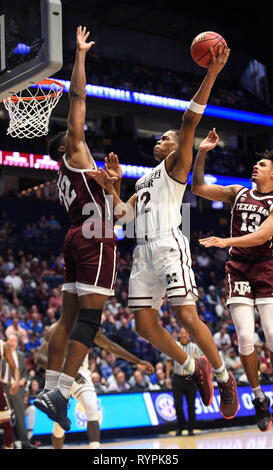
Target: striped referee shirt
(192, 350)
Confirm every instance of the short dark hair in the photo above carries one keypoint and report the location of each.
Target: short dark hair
(175, 131)
(53, 145)
(268, 155)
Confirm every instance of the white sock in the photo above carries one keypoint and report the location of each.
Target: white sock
(189, 365)
(51, 379)
(221, 374)
(258, 393)
(94, 445)
(65, 384)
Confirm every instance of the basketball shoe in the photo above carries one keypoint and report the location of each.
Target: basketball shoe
(54, 405)
(229, 403)
(263, 415)
(202, 378)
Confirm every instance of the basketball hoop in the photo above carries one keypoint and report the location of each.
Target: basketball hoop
(29, 113)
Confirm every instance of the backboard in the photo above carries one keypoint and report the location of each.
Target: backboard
(30, 43)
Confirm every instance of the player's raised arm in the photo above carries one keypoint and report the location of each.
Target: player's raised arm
(213, 192)
(113, 169)
(181, 165)
(77, 95)
(263, 234)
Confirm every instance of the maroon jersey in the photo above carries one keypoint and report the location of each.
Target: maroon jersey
(249, 211)
(85, 201)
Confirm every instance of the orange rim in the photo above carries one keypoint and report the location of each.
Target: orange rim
(45, 81)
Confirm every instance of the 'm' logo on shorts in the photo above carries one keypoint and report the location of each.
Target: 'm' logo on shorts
(172, 278)
(242, 287)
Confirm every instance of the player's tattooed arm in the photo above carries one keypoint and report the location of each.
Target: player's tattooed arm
(213, 192)
(262, 235)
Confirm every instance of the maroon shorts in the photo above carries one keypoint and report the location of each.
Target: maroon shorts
(5, 412)
(90, 265)
(250, 283)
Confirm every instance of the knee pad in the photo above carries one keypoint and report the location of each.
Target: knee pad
(57, 430)
(246, 345)
(88, 400)
(86, 328)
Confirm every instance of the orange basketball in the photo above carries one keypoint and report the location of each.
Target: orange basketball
(200, 47)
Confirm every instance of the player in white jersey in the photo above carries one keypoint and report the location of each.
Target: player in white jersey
(83, 388)
(5, 412)
(161, 259)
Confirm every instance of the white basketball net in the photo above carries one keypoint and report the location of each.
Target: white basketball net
(30, 109)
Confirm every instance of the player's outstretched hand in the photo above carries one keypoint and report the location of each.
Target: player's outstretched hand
(213, 241)
(218, 62)
(146, 366)
(112, 165)
(81, 37)
(14, 388)
(103, 179)
(210, 141)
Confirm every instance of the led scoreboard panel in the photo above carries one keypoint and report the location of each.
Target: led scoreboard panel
(44, 162)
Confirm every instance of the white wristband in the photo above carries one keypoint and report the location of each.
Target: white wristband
(196, 108)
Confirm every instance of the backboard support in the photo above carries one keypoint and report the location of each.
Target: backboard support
(46, 56)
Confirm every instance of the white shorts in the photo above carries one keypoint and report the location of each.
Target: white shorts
(162, 266)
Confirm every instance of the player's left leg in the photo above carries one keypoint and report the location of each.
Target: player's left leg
(56, 351)
(148, 327)
(188, 317)
(54, 403)
(175, 268)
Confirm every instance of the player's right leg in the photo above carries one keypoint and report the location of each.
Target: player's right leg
(56, 351)
(243, 317)
(54, 402)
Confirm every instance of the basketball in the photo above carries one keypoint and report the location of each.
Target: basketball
(200, 47)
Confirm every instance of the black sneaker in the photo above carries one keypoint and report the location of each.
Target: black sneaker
(263, 415)
(54, 405)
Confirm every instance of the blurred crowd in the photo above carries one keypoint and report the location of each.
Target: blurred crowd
(130, 74)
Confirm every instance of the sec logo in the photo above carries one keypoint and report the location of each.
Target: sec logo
(164, 406)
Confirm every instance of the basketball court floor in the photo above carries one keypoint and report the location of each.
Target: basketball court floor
(246, 438)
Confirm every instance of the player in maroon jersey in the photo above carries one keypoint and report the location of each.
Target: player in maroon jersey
(5, 413)
(90, 252)
(249, 269)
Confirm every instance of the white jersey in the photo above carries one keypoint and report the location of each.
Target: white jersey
(158, 204)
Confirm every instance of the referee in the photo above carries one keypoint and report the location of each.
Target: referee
(182, 384)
